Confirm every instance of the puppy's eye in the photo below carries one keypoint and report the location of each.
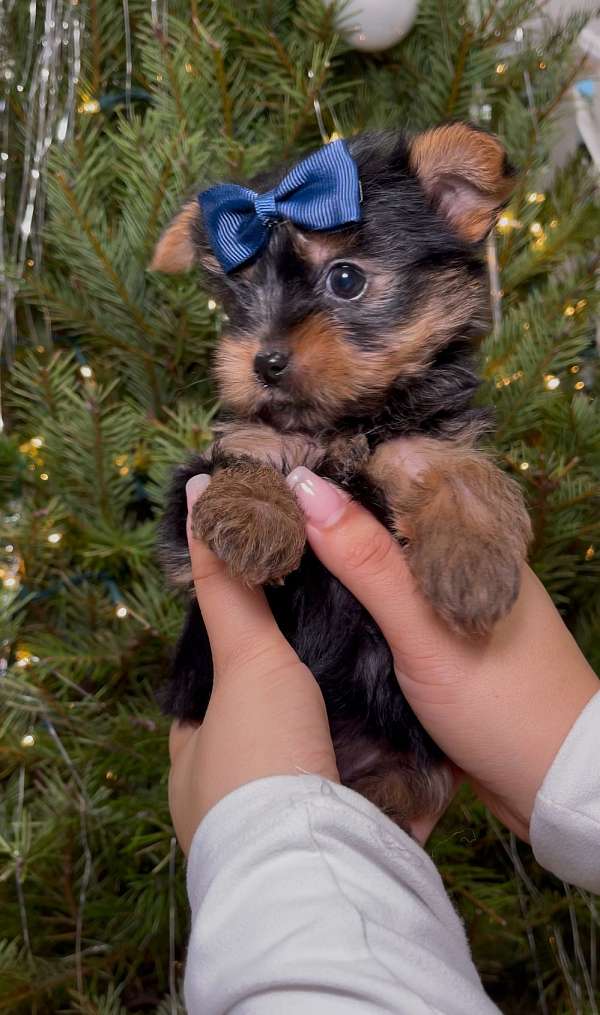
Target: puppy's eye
(346, 281)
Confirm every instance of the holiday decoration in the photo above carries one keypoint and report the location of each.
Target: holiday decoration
(105, 373)
(373, 25)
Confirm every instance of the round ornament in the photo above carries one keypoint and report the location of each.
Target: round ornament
(372, 25)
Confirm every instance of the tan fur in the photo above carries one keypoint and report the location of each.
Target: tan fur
(467, 526)
(264, 444)
(462, 170)
(319, 247)
(175, 250)
(250, 518)
(389, 779)
(234, 371)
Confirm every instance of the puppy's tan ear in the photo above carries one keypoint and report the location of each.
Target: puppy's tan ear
(175, 251)
(466, 175)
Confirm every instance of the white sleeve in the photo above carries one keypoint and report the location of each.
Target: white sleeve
(306, 898)
(565, 824)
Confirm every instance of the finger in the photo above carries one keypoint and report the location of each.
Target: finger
(238, 620)
(366, 558)
(179, 735)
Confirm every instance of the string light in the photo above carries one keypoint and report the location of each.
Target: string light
(500, 68)
(579, 385)
(590, 553)
(188, 68)
(121, 611)
(124, 470)
(11, 582)
(110, 776)
(24, 658)
(28, 740)
(524, 466)
(551, 382)
(536, 228)
(575, 369)
(507, 222)
(581, 305)
(9, 547)
(37, 441)
(212, 304)
(86, 372)
(55, 537)
(553, 223)
(44, 476)
(89, 106)
(536, 197)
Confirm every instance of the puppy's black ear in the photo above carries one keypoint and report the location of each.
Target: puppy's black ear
(465, 174)
(183, 245)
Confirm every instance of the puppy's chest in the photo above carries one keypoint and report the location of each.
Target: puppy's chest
(340, 457)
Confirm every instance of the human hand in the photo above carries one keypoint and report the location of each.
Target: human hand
(499, 706)
(266, 715)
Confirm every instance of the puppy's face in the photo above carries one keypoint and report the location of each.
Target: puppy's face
(322, 324)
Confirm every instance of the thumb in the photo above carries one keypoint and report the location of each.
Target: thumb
(366, 558)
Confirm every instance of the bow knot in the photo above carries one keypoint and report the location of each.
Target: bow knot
(320, 192)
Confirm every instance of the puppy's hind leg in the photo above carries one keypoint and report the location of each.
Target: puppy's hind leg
(397, 783)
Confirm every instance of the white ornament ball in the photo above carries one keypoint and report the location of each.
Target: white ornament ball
(372, 25)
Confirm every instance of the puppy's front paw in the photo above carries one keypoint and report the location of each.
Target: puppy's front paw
(470, 581)
(250, 518)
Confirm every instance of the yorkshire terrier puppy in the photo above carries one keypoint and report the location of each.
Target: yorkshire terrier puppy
(338, 341)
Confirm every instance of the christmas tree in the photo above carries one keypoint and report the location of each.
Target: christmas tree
(113, 112)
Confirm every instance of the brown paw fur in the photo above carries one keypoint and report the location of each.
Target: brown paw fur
(471, 582)
(250, 518)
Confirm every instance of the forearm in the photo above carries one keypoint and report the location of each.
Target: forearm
(306, 898)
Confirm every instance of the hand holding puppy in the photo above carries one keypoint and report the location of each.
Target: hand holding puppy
(500, 707)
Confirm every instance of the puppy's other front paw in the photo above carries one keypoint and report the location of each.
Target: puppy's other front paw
(250, 518)
(470, 581)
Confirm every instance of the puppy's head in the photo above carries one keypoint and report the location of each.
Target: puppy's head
(322, 324)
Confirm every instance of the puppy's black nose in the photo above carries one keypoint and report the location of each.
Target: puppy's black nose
(270, 365)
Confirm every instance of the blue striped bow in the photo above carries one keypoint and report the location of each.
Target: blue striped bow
(321, 192)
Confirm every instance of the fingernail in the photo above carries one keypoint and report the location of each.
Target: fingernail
(322, 502)
(195, 487)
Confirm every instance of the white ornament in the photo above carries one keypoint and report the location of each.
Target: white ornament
(372, 25)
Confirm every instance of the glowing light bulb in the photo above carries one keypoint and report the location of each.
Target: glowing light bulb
(28, 740)
(551, 382)
(121, 611)
(86, 372)
(212, 304)
(524, 466)
(44, 476)
(55, 537)
(89, 106)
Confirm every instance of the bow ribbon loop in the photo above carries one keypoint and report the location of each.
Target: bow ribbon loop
(320, 192)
